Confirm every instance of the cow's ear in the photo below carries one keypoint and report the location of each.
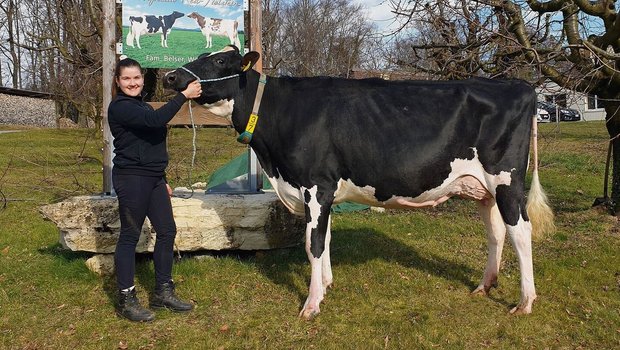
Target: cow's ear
(249, 60)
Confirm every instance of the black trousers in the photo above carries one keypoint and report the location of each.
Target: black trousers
(140, 197)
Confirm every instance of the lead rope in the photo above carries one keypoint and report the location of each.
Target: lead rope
(208, 80)
(189, 179)
(191, 118)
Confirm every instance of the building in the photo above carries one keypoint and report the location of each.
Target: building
(589, 106)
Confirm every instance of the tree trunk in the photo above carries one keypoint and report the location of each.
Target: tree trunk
(10, 22)
(613, 128)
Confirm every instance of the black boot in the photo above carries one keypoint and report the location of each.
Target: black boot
(164, 297)
(130, 308)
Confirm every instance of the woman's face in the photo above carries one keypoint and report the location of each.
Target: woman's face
(130, 81)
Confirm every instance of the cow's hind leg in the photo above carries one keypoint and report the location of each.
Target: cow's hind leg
(317, 206)
(511, 204)
(326, 264)
(130, 37)
(521, 238)
(496, 232)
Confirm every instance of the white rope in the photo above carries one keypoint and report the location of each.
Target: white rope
(191, 118)
(208, 80)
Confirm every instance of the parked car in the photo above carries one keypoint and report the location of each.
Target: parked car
(566, 114)
(542, 116)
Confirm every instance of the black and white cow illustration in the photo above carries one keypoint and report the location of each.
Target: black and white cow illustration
(150, 24)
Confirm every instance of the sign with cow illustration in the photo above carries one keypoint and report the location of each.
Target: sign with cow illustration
(171, 33)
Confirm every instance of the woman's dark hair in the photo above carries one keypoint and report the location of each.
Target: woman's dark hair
(125, 62)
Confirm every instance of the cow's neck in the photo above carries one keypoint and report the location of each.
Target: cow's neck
(201, 21)
(244, 101)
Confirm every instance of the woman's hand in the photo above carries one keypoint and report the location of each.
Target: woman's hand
(169, 190)
(193, 90)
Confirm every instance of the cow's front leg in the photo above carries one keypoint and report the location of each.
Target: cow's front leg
(317, 205)
(496, 232)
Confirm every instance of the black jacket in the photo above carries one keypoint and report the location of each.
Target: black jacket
(140, 134)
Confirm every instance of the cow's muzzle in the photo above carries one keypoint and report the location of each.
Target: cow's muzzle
(171, 81)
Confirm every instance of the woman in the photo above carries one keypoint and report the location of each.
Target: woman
(139, 180)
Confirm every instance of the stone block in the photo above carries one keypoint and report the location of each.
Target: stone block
(204, 222)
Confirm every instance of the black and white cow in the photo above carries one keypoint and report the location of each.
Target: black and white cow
(395, 144)
(150, 24)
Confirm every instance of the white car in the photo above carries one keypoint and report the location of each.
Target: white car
(542, 116)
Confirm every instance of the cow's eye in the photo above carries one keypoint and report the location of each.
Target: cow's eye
(219, 61)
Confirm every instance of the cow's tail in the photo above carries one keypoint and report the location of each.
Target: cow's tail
(538, 209)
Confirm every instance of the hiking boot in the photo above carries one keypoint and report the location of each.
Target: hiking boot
(130, 308)
(164, 297)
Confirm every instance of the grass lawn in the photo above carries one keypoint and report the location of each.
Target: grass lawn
(183, 46)
(401, 278)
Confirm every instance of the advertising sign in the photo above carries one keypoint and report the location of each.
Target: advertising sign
(171, 33)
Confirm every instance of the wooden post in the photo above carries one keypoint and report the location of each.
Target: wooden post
(256, 33)
(109, 61)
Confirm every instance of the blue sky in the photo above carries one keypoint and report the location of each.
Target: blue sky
(165, 7)
(379, 11)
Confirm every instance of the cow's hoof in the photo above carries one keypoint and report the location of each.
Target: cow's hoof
(308, 314)
(482, 290)
(524, 307)
(519, 310)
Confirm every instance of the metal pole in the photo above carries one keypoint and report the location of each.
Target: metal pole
(255, 171)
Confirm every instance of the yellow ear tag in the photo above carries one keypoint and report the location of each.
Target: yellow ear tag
(247, 66)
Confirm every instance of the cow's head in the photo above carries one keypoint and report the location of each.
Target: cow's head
(219, 72)
(194, 15)
(177, 14)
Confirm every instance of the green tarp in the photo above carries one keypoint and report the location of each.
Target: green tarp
(239, 166)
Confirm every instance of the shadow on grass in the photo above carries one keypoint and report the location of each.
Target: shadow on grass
(145, 276)
(286, 267)
(65, 255)
(356, 247)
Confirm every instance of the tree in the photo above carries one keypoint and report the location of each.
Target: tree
(11, 27)
(574, 43)
(58, 45)
(314, 37)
